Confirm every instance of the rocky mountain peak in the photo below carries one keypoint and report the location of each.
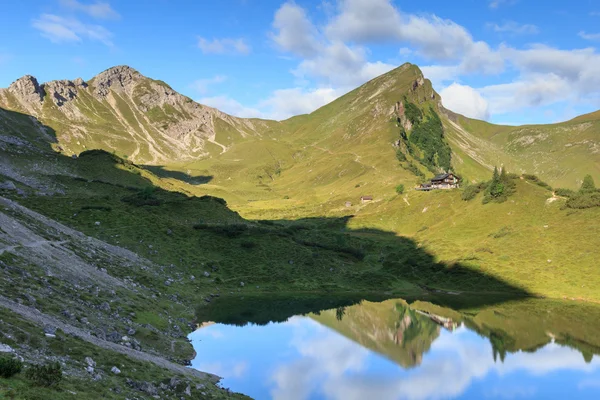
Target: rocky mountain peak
(116, 78)
(63, 91)
(27, 89)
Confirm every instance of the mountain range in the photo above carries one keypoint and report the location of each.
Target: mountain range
(127, 204)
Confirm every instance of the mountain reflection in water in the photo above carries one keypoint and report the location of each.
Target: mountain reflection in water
(393, 350)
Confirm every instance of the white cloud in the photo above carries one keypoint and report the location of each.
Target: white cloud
(341, 65)
(202, 85)
(61, 29)
(494, 4)
(534, 91)
(365, 21)
(514, 28)
(231, 106)
(589, 36)
(465, 100)
(295, 33)
(98, 9)
(369, 21)
(223, 46)
(285, 103)
(280, 105)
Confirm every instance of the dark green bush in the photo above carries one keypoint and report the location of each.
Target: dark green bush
(400, 189)
(413, 168)
(45, 375)
(588, 185)
(470, 192)
(585, 200)
(99, 208)
(537, 181)
(587, 196)
(500, 188)
(565, 192)
(428, 136)
(412, 112)
(144, 197)
(247, 244)
(229, 230)
(9, 367)
(400, 155)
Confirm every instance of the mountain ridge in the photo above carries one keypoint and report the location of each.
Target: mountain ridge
(121, 110)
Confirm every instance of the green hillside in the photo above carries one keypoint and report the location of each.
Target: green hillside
(390, 131)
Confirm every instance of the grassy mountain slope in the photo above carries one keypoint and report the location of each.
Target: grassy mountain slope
(121, 111)
(560, 154)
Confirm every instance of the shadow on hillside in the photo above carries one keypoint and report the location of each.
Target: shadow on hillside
(328, 256)
(162, 172)
(23, 131)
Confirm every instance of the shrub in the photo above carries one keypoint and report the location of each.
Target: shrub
(400, 189)
(428, 136)
(400, 155)
(45, 375)
(412, 112)
(470, 192)
(10, 367)
(565, 192)
(413, 168)
(499, 188)
(230, 230)
(585, 200)
(99, 208)
(537, 181)
(247, 244)
(144, 197)
(588, 185)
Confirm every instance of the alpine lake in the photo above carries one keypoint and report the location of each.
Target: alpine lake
(441, 347)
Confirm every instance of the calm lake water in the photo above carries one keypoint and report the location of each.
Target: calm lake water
(393, 350)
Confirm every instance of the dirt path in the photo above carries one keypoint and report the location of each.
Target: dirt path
(42, 319)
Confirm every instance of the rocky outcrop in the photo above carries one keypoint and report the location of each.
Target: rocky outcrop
(400, 111)
(28, 92)
(116, 78)
(119, 105)
(63, 91)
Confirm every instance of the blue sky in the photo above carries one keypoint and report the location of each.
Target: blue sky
(507, 61)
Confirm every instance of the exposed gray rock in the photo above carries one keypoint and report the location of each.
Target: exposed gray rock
(116, 78)
(4, 348)
(28, 90)
(105, 307)
(242, 284)
(206, 274)
(113, 337)
(8, 185)
(188, 390)
(63, 91)
(149, 388)
(90, 362)
(115, 370)
(50, 330)
(89, 370)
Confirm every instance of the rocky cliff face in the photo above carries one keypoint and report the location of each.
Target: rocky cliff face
(123, 111)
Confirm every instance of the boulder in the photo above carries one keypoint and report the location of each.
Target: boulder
(8, 185)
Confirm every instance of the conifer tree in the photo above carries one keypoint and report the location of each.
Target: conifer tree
(588, 185)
